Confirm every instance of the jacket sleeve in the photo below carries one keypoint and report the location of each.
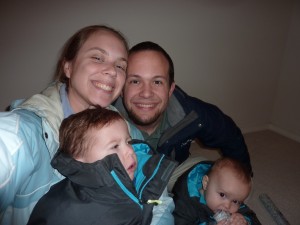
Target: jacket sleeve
(25, 170)
(216, 129)
(10, 148)
(249, 215)
(185, 214)
(189, 210)
(162, 213)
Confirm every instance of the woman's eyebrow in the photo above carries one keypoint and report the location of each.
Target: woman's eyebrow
(98, 49)
(106, 53)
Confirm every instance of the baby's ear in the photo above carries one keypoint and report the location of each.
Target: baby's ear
(204, 182)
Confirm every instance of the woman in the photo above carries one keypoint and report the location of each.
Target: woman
(91, 71)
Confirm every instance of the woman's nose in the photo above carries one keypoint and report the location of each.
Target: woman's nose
(110, 69)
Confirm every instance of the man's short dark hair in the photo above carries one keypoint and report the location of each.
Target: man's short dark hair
(148, 45)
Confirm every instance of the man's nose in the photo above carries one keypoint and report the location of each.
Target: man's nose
(146, 91)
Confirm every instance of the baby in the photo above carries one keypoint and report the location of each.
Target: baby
(214, 193)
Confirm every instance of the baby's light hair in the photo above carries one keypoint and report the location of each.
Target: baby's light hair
(240, 170)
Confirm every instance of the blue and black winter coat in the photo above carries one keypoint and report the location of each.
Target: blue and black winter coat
(190, 205)
(102, 192)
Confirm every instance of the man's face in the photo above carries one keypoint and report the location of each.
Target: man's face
(147, 91)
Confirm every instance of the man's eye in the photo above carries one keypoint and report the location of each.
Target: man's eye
(157, 82)
(134, 82)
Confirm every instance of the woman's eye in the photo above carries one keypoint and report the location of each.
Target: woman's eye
(121, 64)
(97, 58)
(121, 67)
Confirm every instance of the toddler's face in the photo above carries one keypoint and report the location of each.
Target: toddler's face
(114, 138)
(224, 191)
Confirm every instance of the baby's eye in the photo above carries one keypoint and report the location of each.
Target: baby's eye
(236, 202)
(222, 195)
(129, 142)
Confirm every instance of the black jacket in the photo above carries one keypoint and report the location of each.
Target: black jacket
(190, 119)
(189, 210)
(102, 192)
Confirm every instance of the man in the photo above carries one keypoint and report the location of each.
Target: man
(167, 117)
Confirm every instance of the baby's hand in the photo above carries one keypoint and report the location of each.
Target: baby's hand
(224, 222)
(235, 219)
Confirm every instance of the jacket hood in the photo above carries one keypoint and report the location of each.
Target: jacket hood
(43, 104)
(92, 175)
(193, 181)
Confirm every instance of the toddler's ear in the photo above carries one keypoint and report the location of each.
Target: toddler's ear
(204, 182)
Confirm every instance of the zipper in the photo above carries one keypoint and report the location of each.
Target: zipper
(190, 118)
(153, 174)
(139, 184)
(125, 190)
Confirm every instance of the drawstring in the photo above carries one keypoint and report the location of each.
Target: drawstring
(155, 202)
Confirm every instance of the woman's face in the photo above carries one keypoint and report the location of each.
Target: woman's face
(97, 74)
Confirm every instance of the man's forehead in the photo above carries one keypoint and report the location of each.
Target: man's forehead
(146, 76)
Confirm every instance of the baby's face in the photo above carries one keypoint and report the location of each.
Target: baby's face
(225, 191)
(114, 138)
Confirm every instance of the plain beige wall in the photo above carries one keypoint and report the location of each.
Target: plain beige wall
(234, 53)
(286, 113)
